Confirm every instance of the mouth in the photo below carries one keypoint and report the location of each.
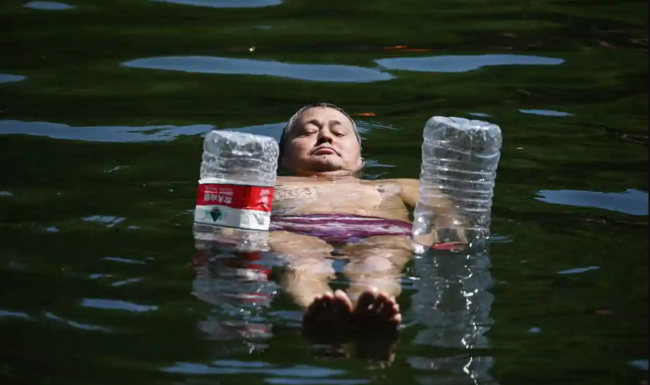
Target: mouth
(325, 151)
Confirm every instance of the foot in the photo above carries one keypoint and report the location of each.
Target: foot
(329, 318)
(376, 315)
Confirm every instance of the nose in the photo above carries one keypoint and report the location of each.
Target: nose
(325, 136)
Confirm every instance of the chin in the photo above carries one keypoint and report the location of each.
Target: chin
(323, 164)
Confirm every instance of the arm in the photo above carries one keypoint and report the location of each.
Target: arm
(443, 207)
(409, 192)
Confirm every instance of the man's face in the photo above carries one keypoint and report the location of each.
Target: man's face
(322, 140)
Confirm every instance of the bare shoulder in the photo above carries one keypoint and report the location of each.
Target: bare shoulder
(287, 180)
(408, 189)
(405, 183)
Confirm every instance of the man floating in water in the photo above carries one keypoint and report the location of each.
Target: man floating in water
(326, 213)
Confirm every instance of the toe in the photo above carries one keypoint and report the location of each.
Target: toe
(366, 300)
(387, 311)
(342, 303)
(314, 304)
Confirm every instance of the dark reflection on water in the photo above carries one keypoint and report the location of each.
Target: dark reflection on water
(231, 66)
(225, 3)
(462, 63)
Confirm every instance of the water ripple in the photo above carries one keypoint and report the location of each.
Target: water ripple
(640, 364)
(546, 112)
(77, 325)
(633, 202)
(7, 313)
(101, 133)
(225, 3)
(124, 260)
(230, 66)
(110, 220)
(111, 304)
(249, 368)
(7, 78)
(578, 270)
(462, 63)
(48, 6)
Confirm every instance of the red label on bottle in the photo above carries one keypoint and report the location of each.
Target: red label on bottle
(236, 196)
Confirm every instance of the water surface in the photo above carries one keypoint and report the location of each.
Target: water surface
(48, 5)
(103, 109)
(225, 3)
(230, 66)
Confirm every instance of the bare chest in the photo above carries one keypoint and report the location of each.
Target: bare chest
(327, 198)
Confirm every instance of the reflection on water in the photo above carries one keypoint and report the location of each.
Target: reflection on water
(14, 314)
(124, 260)
(462, 63)
(101, 134)
(546, 112)
(578, 270)
(640, 364)
(273, 130)
(100, 303)
(231, 66)
(633, 202)
(225, 3)
(109, 220)
(147, 133)
(6, 78)
(452, 305)
(232, 273)
(48, 5)
(77, 325)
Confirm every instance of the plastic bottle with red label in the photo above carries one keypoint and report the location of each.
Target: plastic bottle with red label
(238, 173)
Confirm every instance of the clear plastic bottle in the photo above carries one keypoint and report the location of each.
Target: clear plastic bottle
(238, 174)
(459, 162)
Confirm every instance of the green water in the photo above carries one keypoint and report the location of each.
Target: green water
(99, 161)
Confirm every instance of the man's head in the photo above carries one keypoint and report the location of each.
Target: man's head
(321, 139)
